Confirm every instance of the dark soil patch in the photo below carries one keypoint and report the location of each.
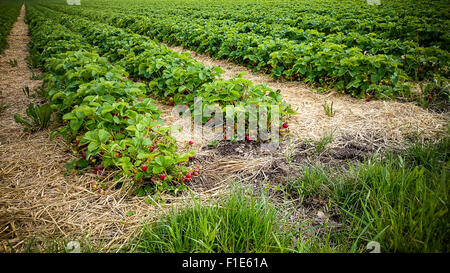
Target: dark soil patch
(228, 148)
(282, 167)
(348, 150)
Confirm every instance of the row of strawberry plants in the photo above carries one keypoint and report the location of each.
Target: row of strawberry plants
(109, 120)
(413, 58)
(418, 62)
(389, 21)
(348, 69)
(265, 26)
(9, 11)
(421, 20)
(176, 78)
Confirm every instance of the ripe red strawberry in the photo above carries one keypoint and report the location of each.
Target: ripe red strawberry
(172, 103)
(144, 167)
(125, 117)
(186, 179)
(117, 155)
(191, 142)
(420, 71)
(191, 158)
(368, 99)
(248, 138)
(188, 175)
(152, 149)
(162, 176)
(197, 172)
(77, 143)
(285, 125)
(254, 63)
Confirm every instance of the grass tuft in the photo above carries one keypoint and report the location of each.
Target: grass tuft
(399, 200)
(240, 223)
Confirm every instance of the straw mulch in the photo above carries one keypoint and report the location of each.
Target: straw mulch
(391, 122)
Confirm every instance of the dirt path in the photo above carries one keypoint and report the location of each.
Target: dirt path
(36, 200)
(384, 122)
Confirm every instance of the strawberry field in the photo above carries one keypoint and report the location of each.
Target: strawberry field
(327, 125)
(364, 54)
(107, 117)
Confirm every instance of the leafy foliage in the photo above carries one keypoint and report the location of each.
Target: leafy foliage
(172, 77)
(359, 50)
(9, 11)
(40, 117)
(109, 120)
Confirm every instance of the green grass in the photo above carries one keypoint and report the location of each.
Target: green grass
(400, 200)
(240, 223)
(322, 143)
(328, 108)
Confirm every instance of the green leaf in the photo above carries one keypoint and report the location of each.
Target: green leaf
(23, 121)
(143, 155)
(75, 124)
(103, 135)
(82, 163)
(158, 169)
(93, 147)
